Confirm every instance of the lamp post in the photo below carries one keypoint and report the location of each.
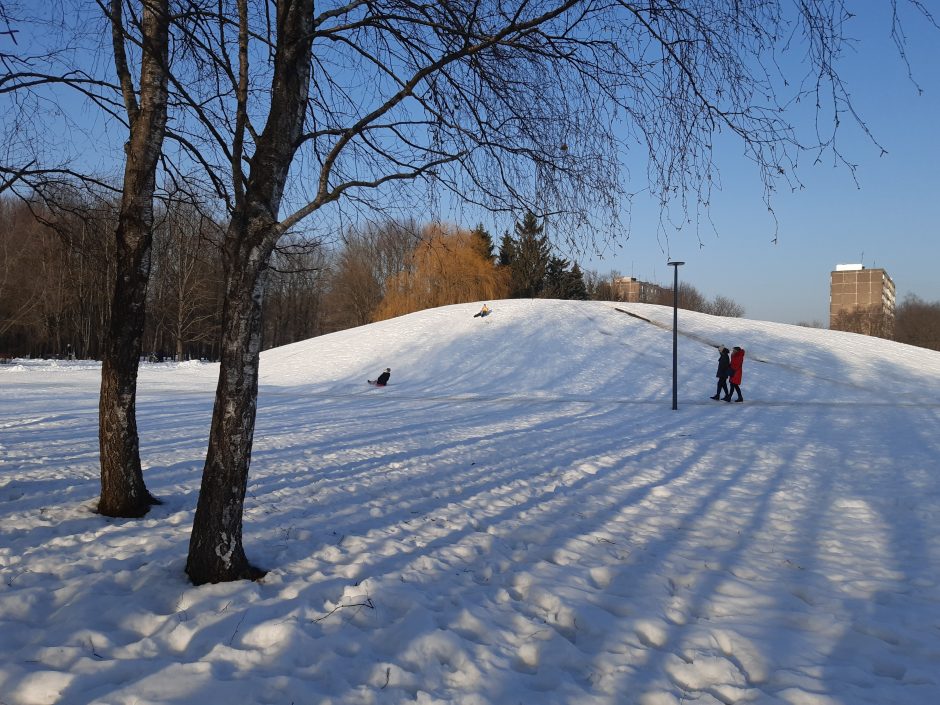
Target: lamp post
(675, 332)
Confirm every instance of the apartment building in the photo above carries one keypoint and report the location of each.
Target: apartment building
(633, 290)
(861, 300)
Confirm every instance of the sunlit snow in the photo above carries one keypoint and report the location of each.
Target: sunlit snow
(519, 517)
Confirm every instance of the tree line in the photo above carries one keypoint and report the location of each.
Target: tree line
(915, 322)
(56, 269)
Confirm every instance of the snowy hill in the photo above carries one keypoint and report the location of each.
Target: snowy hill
(568, 348)
(519, 517)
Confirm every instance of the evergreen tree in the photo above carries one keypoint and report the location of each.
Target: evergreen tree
(483, 242)
(575, 287)
(564, 281)
(507, 250)
(555, 273)
(533, 254)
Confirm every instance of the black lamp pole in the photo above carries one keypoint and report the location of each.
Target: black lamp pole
(675, 333)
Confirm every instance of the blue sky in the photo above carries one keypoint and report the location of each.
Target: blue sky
(890, 219)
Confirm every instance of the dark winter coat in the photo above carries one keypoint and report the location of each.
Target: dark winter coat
(383, 378)
(737, 365)
(724, 364)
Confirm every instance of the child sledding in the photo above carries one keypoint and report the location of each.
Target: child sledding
(382, 379)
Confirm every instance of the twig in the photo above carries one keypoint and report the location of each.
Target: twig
(244, 614)
(368, 603)
(13, 579)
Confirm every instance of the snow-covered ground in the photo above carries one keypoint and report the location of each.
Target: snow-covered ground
(519, 517)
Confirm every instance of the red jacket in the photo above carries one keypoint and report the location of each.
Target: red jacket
(737, 363)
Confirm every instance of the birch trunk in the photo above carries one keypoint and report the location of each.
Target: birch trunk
(216, 553)
(123, 493)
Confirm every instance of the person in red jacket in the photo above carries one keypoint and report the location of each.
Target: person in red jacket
(737, 371)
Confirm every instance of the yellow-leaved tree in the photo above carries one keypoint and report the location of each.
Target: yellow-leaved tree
(448, 266)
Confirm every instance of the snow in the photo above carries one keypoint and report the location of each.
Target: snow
(519, 517)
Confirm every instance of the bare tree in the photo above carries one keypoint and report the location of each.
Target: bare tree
(123, 492)
(139, 34)
(600, 287)
(723, 306)
(368, 257)
(20, 299)
(54, 269)
(917, 322)
(90, 243)
(186, 282)
(865, 320)
(295, 292)
(431, 68)
(215, 552)
(355, 290)
(690, 298)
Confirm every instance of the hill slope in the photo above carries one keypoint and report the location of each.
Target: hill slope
(600, 349)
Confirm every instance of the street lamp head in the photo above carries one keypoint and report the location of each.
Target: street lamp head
(674, 264)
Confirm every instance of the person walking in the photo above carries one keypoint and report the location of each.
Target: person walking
(737, 372)
(724, 371)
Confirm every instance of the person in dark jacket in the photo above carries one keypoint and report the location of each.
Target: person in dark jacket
(724, 371)
(737, 372)
(383, 378)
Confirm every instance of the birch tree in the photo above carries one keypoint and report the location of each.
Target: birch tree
(39, 163)
(123, 492)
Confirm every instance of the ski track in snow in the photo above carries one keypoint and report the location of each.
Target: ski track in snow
(518, 518)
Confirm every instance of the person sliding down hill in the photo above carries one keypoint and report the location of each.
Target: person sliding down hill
(383, 378)
(484, 312)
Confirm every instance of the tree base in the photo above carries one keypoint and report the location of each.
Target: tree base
(135, 511)
(248, 572)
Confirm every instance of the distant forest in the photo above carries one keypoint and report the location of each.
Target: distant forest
(57, 270)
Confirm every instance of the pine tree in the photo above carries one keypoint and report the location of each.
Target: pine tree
(483, 242)
(576, 288)
(533, 254)
(564, 280)
(556, 273)
(507, 250)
